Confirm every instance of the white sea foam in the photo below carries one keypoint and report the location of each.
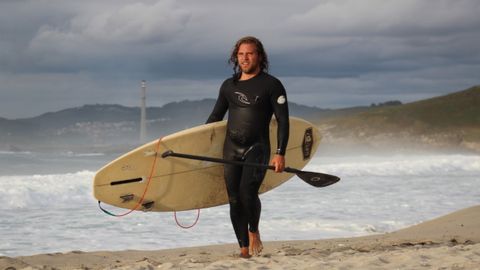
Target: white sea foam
(74, 154)
(421, 165)
(51, 190)
(57, 212)
(3, 152)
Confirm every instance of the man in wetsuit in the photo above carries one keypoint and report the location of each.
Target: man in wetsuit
(251, 96)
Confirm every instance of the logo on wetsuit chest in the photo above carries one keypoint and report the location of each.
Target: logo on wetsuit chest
(244, 98)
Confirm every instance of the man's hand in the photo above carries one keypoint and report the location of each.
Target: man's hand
(279, 162)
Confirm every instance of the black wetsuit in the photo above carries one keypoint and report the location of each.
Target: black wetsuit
(250, 104)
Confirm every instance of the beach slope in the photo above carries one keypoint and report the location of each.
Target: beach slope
(447, 242)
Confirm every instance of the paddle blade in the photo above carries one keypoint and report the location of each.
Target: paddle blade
(318, 179)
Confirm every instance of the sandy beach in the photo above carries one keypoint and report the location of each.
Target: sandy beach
(448, 242)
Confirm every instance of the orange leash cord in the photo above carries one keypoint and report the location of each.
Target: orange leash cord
(187, 227)
(144, 192)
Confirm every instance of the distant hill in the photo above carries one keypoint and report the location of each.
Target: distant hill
(450, 121)
(107, 125)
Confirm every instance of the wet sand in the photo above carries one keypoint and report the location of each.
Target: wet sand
(447, 242)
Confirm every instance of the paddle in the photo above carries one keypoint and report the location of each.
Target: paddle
(313, 178)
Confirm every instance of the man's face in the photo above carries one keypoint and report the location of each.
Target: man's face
(248, 58)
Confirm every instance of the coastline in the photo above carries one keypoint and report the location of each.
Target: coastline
(451, 241)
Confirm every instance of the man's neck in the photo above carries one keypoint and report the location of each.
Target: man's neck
(247, 76)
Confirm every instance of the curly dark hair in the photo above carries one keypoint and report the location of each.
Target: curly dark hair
(260, 50)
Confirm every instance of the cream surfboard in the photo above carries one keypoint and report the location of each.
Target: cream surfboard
(143, 180)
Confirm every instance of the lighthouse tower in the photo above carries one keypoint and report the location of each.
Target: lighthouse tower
(143, 113)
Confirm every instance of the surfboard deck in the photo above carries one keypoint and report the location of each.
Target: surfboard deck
(176, 184)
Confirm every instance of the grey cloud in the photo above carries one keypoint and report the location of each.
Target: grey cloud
(328, 53)
(388, 18)
(132, 24)
(94, 39)
(387, 35)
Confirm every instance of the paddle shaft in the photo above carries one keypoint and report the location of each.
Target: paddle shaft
(313, 178)
(225, 161)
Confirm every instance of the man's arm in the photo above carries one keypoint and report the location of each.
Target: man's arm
(280, 109)
(219, 110)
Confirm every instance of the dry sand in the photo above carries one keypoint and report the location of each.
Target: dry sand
(448, 242)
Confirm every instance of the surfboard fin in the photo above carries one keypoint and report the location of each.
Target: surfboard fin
(148, 205)
(127, 197)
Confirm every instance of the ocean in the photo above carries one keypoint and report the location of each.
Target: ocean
(46, 203)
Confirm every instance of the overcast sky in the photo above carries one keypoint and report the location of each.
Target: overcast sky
(330, 54)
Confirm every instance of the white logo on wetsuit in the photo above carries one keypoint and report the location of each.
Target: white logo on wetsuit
(242, 98)
(281, 99)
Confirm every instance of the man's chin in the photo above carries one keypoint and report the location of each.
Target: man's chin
(250, 71)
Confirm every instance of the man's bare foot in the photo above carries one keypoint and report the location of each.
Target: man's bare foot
(244, 253)
(256, 245)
